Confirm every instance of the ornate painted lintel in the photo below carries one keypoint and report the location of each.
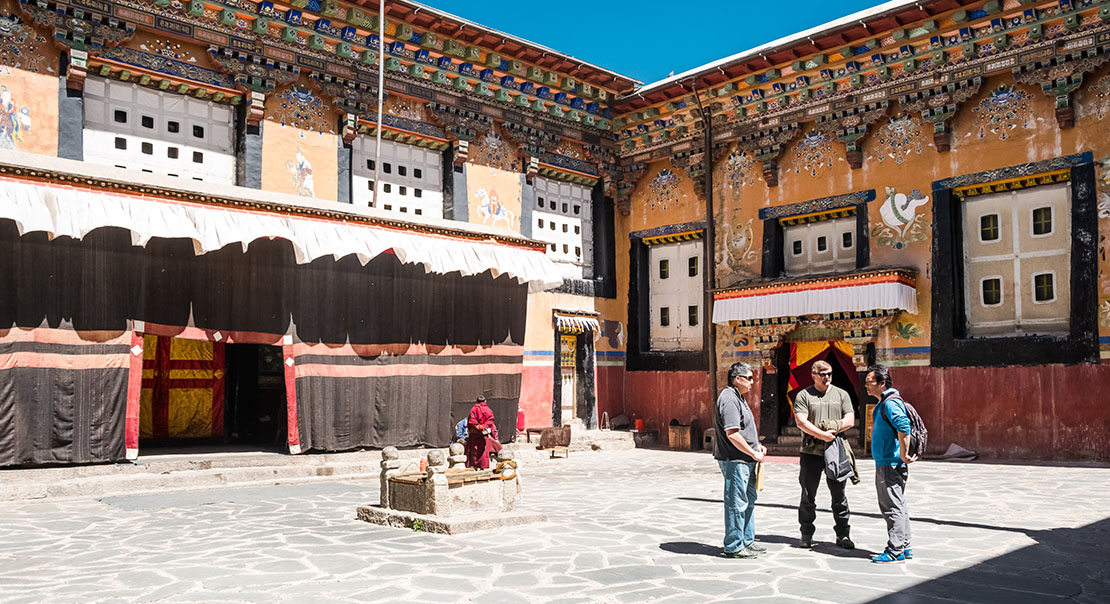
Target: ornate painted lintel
(1059, 77)
(78, 69)
(462, 124)
(940, 104)
(256, 108)
(850, 127)
(857, 328)
(767, 144)
(629, 175)
(692, 161)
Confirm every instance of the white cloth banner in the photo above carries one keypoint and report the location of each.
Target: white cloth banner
(68, 212)
(849, 298)
(575, 324)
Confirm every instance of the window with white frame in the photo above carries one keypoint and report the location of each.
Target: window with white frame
(675, 291)
(826, 246)
(129, 126)
(1017, 254)
(562, 217)
(412, 178)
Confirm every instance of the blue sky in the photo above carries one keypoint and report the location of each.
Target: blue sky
(648, 39)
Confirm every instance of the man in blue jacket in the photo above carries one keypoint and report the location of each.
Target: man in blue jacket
(890, 440)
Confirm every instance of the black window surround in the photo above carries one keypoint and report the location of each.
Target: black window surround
(639, 356)
(603, 284)
(950, 345)
(774, 260)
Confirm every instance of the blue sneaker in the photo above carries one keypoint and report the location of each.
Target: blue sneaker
(889, 558)
(908, 553)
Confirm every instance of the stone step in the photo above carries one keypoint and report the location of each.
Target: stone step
(203, 470)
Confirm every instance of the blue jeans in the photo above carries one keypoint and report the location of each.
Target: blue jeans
(740, 497)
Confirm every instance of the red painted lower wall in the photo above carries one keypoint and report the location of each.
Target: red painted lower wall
(610, 391)
(657, 397)
(1042, 412)
(536, 390)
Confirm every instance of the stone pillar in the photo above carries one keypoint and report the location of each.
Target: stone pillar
(435, 483)
(457, 458)
(510, 483)
(391, 465)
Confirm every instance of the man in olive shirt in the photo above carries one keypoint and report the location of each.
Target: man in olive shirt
(821, 411)
(736, 448)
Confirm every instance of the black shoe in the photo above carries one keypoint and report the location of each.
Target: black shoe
(845, 542)
(744, 553)
(807, 541)
(757, 548)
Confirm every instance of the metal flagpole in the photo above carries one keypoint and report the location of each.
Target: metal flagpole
(381, 98)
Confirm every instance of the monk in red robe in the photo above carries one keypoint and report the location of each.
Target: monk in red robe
(481, 435)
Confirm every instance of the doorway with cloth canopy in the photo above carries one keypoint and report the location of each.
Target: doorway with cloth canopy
(804, 349)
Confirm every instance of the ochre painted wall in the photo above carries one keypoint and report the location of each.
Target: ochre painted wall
(1000, 412)
(28, 88)
(299, 144)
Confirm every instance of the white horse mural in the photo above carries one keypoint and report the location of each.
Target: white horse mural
(491, 210)
(901, 226)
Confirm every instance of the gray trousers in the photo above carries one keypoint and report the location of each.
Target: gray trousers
(890, 485)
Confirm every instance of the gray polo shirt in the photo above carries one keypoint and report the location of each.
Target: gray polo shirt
(732, 411)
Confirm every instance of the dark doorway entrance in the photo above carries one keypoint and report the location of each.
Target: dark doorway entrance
(795, 377)
(256, 405)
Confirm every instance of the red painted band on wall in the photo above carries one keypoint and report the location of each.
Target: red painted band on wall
(293, 434)
(134, 396)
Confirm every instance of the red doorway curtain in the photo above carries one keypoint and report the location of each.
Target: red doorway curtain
(803, 355)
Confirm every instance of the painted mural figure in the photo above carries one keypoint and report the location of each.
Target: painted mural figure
(301, 169)
(492, 210)
(15, 122)
(739, 246)
(901, 225)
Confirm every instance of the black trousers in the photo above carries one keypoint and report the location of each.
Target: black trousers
(811, 470)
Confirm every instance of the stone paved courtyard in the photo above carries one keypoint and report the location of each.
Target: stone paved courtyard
(630, 526)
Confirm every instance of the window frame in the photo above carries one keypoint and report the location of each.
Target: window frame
(1001, 291)
(639, 356)
(1055, 286)
(950, 344)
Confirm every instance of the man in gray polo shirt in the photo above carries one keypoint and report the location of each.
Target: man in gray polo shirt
(736, 448)
(822, 410)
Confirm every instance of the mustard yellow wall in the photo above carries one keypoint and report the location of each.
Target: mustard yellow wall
(663, 196)
(901, 160)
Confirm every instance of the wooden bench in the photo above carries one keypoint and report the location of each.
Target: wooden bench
(555, 439)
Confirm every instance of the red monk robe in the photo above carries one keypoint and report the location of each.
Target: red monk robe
(481, 435)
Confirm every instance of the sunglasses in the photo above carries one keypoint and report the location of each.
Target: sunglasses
(824, 374)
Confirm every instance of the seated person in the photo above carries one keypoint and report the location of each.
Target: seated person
(460, 431)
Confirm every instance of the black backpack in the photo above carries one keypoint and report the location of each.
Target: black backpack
(919, 435)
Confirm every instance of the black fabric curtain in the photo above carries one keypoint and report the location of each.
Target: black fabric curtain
(100, 282)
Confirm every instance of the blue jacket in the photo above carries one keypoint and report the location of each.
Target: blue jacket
(884, 440)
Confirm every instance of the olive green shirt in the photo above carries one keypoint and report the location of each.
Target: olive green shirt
(826, 411)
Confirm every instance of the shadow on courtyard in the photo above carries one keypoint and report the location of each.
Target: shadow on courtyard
(1065, 564)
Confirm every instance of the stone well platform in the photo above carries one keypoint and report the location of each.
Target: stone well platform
(448, 497)
(448, 525)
